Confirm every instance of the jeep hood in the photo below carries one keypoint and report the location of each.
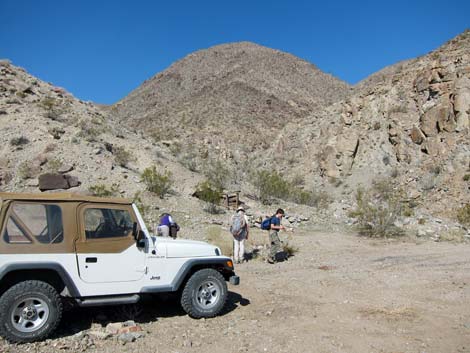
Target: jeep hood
(187, 248)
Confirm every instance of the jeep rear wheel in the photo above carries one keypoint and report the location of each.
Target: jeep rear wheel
(29, 311)
(205, 294)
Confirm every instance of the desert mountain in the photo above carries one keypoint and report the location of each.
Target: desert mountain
(251, 108)
(229, 100)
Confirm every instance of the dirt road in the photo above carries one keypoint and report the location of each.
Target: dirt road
(339, 293)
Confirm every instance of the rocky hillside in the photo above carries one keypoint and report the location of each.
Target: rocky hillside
(228, 101)
(408, 123)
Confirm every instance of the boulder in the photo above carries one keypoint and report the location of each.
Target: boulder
(50, 181)
(53, 181)
(429, 120)
(462, 104)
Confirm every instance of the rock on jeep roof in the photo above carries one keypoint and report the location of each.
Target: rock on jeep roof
(62, 196)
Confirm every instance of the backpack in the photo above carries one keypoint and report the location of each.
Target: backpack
(266, 224)
(238, 223)
(281, 256)
(174, 229)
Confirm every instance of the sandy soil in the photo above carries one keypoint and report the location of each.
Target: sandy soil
(339, 293)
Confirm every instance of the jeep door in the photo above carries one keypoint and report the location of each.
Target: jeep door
(106, 249)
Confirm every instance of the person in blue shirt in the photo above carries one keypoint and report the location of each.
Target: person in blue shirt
(167, 226)
(274, 241)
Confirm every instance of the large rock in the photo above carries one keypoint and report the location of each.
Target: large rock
(429, 120)
(52, 181)
(462, 104)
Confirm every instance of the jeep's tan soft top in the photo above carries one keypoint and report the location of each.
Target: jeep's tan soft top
(61, 196)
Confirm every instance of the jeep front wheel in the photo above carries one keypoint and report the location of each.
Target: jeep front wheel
(205, 294)
(29, 311)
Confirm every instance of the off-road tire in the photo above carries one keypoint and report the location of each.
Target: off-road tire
(29, 311)
(204, 294)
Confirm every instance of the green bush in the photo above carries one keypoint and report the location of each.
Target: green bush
(53, 165)
(209, 193)
(27, 170)
(463, 215)
(378, 208)
(270, 184)
(101, 190)
(157, 183)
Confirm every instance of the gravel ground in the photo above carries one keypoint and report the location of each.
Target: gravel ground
(339, 293)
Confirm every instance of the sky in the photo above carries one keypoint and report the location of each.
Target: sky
(101, 50)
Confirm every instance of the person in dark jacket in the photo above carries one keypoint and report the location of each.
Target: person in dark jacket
(274, 241)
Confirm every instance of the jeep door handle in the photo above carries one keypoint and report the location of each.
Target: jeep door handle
(91, 259)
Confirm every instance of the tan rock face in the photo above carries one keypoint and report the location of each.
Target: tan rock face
(462, 103)
(417, 135)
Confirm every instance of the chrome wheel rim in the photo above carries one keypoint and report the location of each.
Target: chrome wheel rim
(208, 294)
(30, 314)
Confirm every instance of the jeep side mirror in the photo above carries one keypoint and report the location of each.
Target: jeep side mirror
(141, 242)
(134, 230)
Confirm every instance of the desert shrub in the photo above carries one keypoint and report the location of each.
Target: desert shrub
(466, 177)
(48, 103)
(122, 157)
(273, 185)
(53, 165)
(101, 190)
(210, 193)
(27, 170)
(270, 184)
(378, 208)
(454, 236)
(217, 173)
(311, 198)
(175, 148)
(88, 131)
(156, 182)
(19, 141)
(463, 215)
(189, 160)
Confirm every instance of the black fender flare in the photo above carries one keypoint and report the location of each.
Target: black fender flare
(186, 269)
(33, 266)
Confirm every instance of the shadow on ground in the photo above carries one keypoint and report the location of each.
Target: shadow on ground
(148, 310)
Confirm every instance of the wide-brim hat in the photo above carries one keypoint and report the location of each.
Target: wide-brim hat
(240, 208)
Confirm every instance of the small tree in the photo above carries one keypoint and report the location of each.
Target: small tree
(157, 183)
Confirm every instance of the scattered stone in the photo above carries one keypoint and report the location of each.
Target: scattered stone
(99, 335)
(65, 169)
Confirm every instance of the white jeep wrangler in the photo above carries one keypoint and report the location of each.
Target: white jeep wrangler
(94, 251)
